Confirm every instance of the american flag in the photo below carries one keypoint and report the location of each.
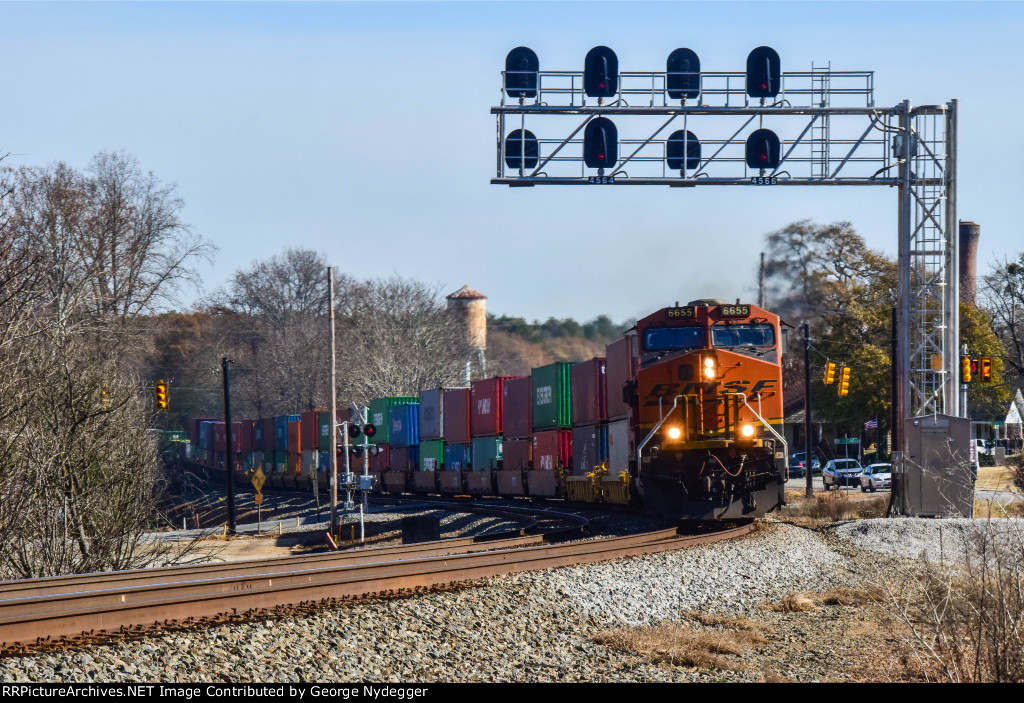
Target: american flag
(871, 424)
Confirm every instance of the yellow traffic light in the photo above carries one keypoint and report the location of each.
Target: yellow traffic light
(965, 369)
(104, 398)
(830, 373)
(163, 399)
(985, 369)
(844, 381)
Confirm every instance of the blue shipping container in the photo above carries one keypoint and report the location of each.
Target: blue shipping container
(205, 430)
(281, 430)
(456, 457)
(404, 425)
(325, 462)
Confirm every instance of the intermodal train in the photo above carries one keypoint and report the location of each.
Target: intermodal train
(683, 415)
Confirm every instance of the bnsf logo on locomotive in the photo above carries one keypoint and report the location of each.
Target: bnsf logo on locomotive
(671, 390)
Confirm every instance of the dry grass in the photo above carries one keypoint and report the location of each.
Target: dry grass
(801, 602)
(984, 509)
(995, 478)
(834, 506)
(680, 644)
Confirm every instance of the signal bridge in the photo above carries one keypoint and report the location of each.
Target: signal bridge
(685, 127)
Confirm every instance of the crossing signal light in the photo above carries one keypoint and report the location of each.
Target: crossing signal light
(844, 381)
(830, 373)
(521, 69)
(763, 149)
(682, 151)
(985, 373)
(600, 143)
(965, 369)
(601, 73)
(369, 430)
(163, 400)
(520, 151)
(682, 75)
(764, 76)
(354, 431)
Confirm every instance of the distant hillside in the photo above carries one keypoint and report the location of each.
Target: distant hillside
(514, 346)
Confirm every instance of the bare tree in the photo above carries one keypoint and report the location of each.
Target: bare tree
(1003, 295)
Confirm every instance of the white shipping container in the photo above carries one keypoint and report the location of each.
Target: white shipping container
(618, 447)
(310, 461)
(432, 414)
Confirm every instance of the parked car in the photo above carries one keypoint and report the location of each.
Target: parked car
(876, 476)
(797, 461)
(841, 472)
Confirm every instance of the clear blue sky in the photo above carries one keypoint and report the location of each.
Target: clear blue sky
(293, 124)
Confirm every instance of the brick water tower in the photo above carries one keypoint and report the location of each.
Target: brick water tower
(471, 305)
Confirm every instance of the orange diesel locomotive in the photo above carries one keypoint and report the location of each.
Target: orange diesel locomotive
(707, 411)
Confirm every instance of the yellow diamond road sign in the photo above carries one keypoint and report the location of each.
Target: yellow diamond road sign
(258, 479)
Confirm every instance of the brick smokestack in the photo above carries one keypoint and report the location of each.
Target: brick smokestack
(969, 233)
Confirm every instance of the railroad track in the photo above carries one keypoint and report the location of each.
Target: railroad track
(40, 613)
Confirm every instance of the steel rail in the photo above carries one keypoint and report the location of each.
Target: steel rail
(27, 620)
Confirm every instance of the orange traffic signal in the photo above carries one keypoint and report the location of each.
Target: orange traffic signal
(161, 395)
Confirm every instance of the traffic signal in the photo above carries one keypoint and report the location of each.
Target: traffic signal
(601, 73)
(764, 76)
(354, 431)
(830, 373)
(965, 369)
(104, 398)
(985, 374)
(369, 430)
(521, 68)
(514, 146)
(682, 75)
(763, 149)
(844, 381)
(682, 151)
(600, 143)
(163, 399)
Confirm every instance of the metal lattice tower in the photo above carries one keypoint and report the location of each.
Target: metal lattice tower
(831, 134)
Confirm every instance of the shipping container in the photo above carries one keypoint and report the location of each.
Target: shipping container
(552, 396)
(236, 436)
(404, 458)
(431, 454)
(589, 448)
(309, 460)
(487, 396)
(518, 408)
(517, 453)
(295, 437)
(323, 423)
(618, 447)
(257, 460)
(281, 437)
(380, 458)
(257, 435)
(280, 462)
(456, 415)
(324, 461)
(269, 434)
(552, 449)
(486, 453)
(403, 425)
(310, 429)
(246, 436)
(432, 414)
(457, 457)
(195, 436)
(205, 427)
(294, 464)
(219, 437)
(379, 415)
(589, 392)
(620, 366)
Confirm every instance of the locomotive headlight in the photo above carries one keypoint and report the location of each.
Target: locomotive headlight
(674, 433)
(709, 367)
(747, 430)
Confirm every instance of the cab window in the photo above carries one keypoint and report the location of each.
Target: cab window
(743, 335)
(664, 338)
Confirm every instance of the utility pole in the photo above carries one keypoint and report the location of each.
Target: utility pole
(227, 448)
(334, 408)
(808, 455)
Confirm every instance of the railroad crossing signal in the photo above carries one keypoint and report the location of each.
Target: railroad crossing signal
(844, 381)
(161, 395)
(985, 364)
(354, 431)
(830, 373)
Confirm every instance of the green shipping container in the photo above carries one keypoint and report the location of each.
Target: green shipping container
(486, 453)
(431, 454)
(379, 415)
(323, 432)
(280, 462)
(552, 396)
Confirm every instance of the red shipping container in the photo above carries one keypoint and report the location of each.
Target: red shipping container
(456, 416)
(517, 453)
(295, 437)
(403, 458)
(486, 400)
(245, 437)
(310, 429)
(269, 434)
(294, 463)
(380, 458)
(518, 408)
(236, 437)
(620, 367)
(552, 449)
(219, 437)
(589, 392)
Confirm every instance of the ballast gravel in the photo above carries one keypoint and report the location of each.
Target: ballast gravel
(526, 627)
(949, 541)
